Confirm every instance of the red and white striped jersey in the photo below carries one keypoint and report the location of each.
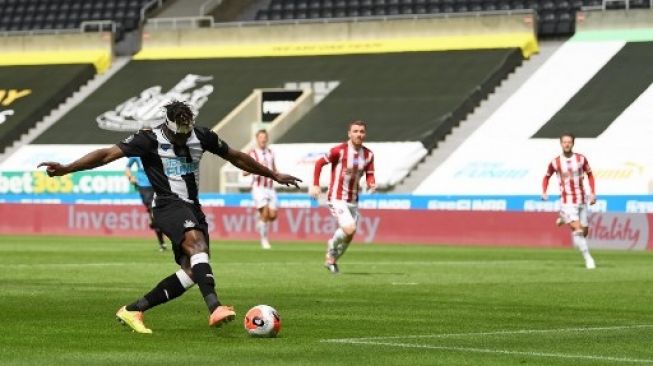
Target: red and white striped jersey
(264, 157)
(571, 172)
(347, 167)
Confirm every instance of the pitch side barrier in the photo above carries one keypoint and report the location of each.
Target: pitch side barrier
(106, 188)
(428, 227)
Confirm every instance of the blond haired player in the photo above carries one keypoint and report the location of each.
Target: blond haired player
(571, 169)
(349, 161)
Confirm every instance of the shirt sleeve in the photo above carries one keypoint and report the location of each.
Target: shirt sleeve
(332, 156)
(212, 143)
(586, 166)
(136, 145)
(130, 162)
(550, 170)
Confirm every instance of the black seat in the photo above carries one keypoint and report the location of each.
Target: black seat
(547, 23)
(340, 13)
(353, 12)
(392, 10)
(565, 23)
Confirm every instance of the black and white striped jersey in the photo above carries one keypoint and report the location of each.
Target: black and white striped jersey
(173, 170)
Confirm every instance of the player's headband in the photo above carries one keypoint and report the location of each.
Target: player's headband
(176, 128)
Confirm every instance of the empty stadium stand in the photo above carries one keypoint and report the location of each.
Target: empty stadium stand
(574, 90)
(596, 105)
(27, 93)
(28, 15)
(431, 90)
(556, 17)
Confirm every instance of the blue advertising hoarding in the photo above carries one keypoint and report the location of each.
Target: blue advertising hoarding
(528, 203)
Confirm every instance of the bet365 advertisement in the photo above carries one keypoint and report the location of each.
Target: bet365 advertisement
(38, 183)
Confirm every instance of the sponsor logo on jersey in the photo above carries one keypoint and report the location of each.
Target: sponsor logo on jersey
(178, 166)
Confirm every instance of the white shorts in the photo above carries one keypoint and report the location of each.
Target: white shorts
(346, 213)
(570, 212)
(264, 197)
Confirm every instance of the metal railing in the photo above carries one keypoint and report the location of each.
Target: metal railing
(377, 18)
(152, 4)
(180, 22)
(98, 26)
(208, 6)
(89, 26)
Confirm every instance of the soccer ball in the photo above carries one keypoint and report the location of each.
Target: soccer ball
(262, 321)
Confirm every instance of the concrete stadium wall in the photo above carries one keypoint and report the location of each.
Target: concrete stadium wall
(343, 37)
(597, 23)
(67, 48)
(537, 229)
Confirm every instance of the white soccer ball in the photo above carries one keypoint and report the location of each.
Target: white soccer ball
(262, 321)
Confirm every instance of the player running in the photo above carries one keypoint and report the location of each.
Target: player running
(171, 156)
(263, 193)
(571, 168)
(349, 161)
(146, 191)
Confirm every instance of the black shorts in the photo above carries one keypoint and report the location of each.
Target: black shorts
(147, 195)
(175, 217)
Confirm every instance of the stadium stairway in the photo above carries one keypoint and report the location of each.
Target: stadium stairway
(475, 119)
(63, 108)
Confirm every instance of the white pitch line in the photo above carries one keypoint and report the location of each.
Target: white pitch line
(501, 332)
(504, 352)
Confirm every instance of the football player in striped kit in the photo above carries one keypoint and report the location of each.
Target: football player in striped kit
(263, 193)
(349, 161)
(571, 168)
(171, 154)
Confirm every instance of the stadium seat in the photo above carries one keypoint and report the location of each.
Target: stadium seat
(565, 23)
(405, 9)
(392, 10)
(547, 24)
(353, 12)
(340, 13)
(639, 4)
(378, 10)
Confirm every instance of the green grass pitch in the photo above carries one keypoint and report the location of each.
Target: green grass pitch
(391, 305)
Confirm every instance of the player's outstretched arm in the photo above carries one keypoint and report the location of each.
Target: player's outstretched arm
(247, 163)
(91, 160)
(315, 189)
